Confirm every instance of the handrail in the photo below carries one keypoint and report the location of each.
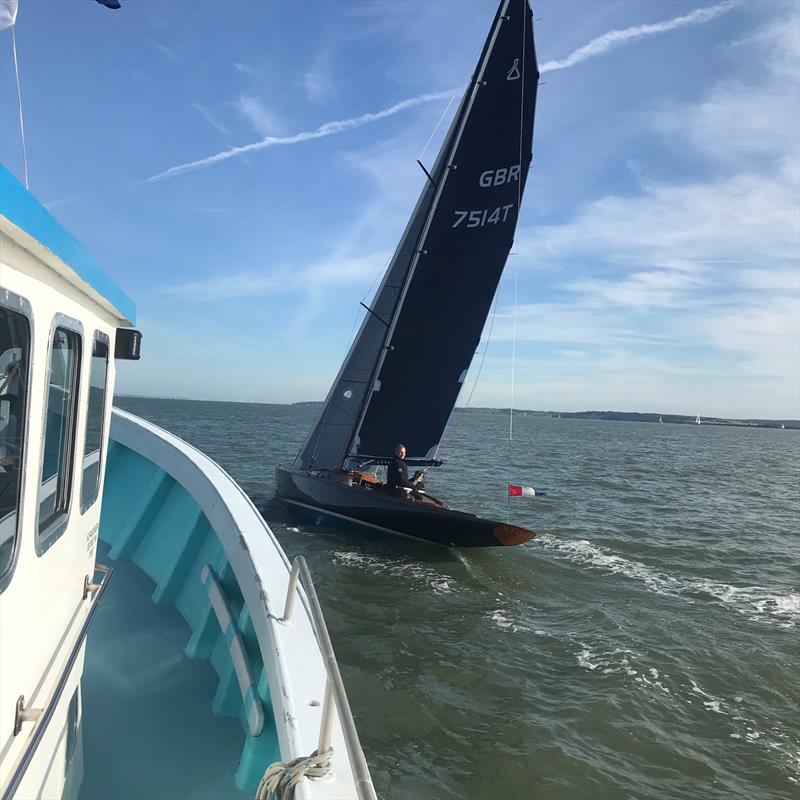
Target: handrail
(334, 686)
(41, 717)
(251, 702)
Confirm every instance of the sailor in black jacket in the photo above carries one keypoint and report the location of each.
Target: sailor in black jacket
(397, 473)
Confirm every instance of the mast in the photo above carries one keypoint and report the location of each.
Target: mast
(449, 148)
(402, 375)
(440, 170)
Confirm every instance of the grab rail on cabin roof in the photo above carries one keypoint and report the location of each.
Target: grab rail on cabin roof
(334, 686)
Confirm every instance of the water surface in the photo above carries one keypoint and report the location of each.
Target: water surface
(645, 645)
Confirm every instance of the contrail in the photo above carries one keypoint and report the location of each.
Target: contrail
(612, 39)
(328, 129)
(596, 47)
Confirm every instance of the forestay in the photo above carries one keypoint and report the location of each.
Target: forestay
(402, 376)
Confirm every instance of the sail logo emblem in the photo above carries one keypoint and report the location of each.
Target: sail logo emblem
(513, 73)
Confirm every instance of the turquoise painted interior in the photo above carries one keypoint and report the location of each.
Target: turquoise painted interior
(156, 536)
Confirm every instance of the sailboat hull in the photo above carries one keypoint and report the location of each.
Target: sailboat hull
(332, 497)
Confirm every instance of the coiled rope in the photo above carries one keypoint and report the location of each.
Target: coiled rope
(280, 778)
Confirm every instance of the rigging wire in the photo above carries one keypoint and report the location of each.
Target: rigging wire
(450, 430)
(422, 153)
(513, 370)
(516, 262)
(19, 100)
(433, 133)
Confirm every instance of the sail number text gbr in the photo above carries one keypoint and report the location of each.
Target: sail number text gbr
(487, 216)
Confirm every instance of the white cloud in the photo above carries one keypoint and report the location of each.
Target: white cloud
(787, 280)
(330, 272)
(317, 80)
(680, 296)
(766, 333)
(327, 129)
(258, 115)
(741, 121)
(681, 226)
(245, 69)
(572, 322)
(8, 14)
(735, 122)
(317, 85)
(612, 39)
(779, 40)
(206, 114)
(658, 288)
(705, 272)
(165, 51)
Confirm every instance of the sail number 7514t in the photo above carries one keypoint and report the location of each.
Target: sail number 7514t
(483, 216)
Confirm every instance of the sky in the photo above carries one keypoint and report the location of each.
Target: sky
(244, 170)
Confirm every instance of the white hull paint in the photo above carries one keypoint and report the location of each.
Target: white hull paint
(42, 608)
(291, 653)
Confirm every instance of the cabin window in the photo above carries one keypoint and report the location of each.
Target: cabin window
(95, 416)
(59, 435)
(15, 357)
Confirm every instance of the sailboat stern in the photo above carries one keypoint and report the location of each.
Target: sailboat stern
(511, 535)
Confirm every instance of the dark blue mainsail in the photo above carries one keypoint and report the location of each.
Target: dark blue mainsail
(402, 376)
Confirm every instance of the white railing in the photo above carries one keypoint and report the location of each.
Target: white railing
(267, 580)
(42, 716)
(334, 686)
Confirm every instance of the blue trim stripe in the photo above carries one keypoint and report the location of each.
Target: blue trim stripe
(21, 208)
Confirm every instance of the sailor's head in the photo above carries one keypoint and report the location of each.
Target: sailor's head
(400, 451)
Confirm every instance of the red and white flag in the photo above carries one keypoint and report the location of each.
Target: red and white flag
(521, 491)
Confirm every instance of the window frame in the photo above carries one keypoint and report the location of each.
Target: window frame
(49, 531)
(21, 305)
(105, 339)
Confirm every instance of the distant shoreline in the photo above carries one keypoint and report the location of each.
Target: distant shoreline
(613, 416)
(637, 416)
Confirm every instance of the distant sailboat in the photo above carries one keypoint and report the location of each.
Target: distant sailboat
(783, 427)
(697, 421)
(661, 420)
(403, 373)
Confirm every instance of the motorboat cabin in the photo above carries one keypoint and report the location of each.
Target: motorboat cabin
(192, 670)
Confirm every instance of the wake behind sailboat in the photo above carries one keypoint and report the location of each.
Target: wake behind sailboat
(403, 373)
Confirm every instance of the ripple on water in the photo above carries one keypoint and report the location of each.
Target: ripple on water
(406, 569)
(758, 603)
(743, 721)
(642, 651)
